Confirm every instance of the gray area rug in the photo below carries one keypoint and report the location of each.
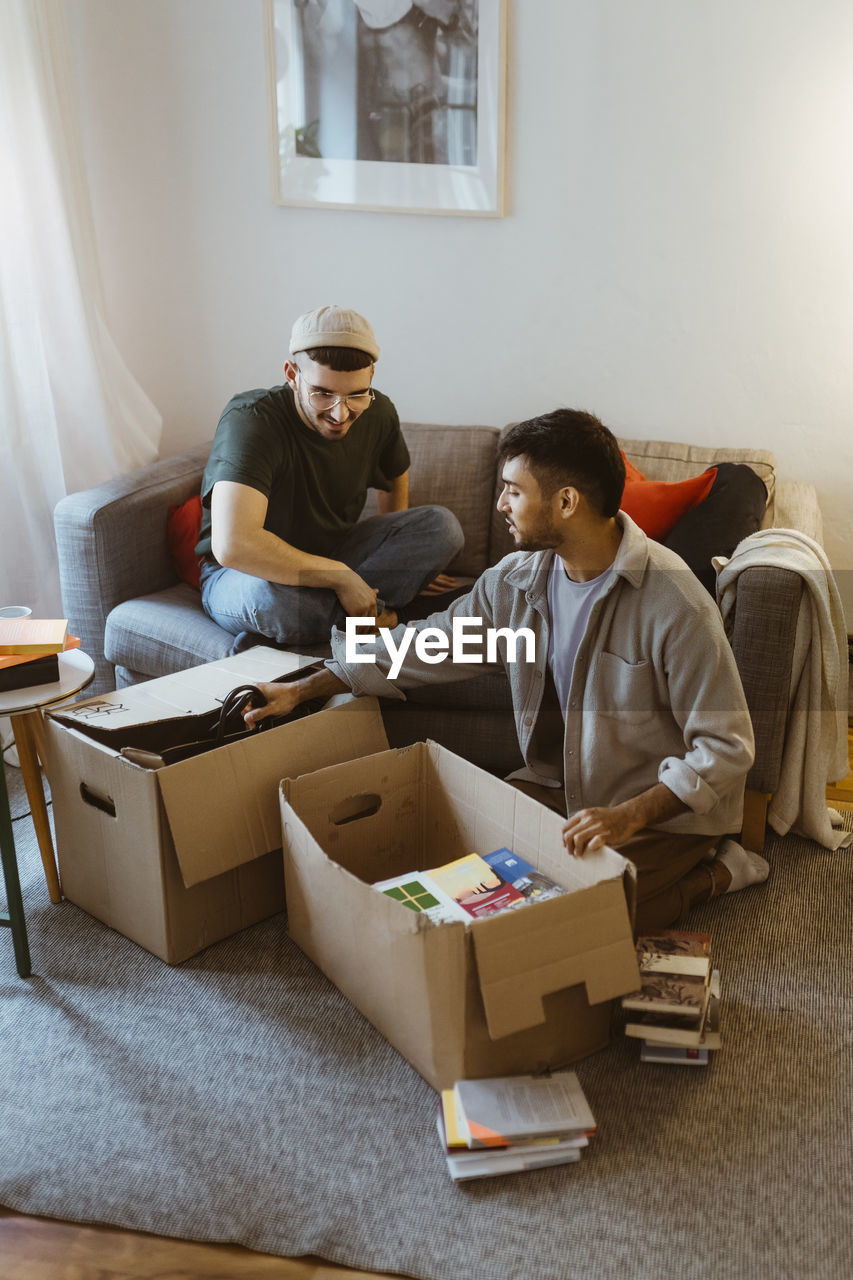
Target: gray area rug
(240, 1098)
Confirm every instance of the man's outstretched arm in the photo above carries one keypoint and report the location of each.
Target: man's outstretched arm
(240, 541)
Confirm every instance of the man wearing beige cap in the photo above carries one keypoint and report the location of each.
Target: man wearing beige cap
(283, 553)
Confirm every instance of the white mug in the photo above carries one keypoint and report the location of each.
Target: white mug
(15, 611)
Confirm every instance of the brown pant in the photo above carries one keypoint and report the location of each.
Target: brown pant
(671, 877)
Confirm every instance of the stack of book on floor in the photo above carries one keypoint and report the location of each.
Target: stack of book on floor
(676, 1012)
(472, 886)
(513, 1123)
(29, 651)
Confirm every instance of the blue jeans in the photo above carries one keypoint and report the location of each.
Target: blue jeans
(397, 553)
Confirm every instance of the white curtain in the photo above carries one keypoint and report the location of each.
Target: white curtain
(71, 415)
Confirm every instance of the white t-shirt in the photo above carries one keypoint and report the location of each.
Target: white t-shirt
(570, 604)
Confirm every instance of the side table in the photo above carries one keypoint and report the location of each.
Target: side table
(24, 707)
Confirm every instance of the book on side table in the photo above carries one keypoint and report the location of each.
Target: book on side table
(25, 669)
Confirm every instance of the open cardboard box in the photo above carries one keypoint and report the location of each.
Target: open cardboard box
(520, 991)
(177, 858)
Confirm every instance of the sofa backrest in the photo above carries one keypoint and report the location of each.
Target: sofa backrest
(454, 467)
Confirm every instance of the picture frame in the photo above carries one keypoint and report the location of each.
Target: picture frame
(386, 105)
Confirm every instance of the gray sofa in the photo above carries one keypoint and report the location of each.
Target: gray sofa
(136, 619)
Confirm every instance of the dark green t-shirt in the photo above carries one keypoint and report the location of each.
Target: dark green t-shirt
(316, 488)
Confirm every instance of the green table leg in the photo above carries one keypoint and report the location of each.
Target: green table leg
(14, 918)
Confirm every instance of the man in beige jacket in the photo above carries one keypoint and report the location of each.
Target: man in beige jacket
(629, 710)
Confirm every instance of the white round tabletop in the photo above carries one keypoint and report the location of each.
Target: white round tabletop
(76, 670)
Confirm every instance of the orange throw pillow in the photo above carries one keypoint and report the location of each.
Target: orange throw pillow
(657, 505)
(182, 530)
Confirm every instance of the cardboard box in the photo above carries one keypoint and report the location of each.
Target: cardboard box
(515, 992)
(177, 858)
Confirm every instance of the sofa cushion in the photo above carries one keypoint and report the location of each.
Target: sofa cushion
(164, 632)
(669, 460)
(657, 505)
(731, 512)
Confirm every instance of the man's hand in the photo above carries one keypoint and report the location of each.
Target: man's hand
(591, 829)
(443, 582)
(358, 600)
(282, 698)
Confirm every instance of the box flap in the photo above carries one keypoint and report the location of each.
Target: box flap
(584, 937)
(189, 692)
(223, 807)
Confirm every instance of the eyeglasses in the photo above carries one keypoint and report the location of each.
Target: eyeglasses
(322, 401)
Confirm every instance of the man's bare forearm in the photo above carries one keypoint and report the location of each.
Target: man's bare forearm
(657, 804)
(264, 555)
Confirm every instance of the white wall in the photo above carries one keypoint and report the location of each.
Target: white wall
(677, 253)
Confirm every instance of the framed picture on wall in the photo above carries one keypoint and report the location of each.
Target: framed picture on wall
(388, 104)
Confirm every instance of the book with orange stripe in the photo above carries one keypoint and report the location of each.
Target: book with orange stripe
(518, 1109)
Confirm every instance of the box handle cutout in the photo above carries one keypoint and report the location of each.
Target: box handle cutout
(104, 803)
(355, 807)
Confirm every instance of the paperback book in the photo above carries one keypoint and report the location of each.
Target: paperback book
(512, 1109)
(533, 885)
(474, 885)
(523, 1105)
(32, 637)
(417, 892)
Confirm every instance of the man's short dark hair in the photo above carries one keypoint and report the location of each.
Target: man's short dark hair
(340, 359)
(570, 447)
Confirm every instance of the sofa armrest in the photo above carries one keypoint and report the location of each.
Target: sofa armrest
(112, 545)
(762, 637)
(796, 506)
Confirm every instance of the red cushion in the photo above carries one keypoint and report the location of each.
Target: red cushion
(657, 505)
(182, 529)
(631, 472)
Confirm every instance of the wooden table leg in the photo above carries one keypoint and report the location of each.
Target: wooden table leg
(754, 828)
(36, 723)
(26, 737)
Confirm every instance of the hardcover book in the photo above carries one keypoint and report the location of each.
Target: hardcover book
(675, 951)
(674, 1055)
(29, 672)
(677, 995)
(657, 1030)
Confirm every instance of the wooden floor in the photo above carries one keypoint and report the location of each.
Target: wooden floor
(43, 1249)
